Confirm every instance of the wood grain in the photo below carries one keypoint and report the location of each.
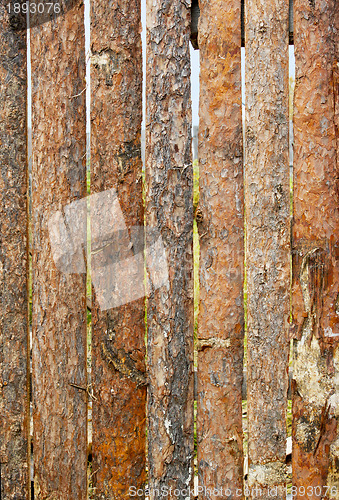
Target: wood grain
(59, 294)
(14, 351)
(118, 333)
(315, 289)
(267, 205)
(169, 210)
(221, 230)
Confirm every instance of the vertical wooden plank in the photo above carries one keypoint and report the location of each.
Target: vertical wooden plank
(59, 294)
(315, 457)
(14, 403)
(118, 333)
(267, 205)
(169, 209)
(221, 228)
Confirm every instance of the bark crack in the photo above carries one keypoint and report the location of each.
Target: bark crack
(312, 272)
(124, 364)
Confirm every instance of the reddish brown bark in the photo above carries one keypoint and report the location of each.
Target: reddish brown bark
(14, 401)
(267, 205)
(118, 345)
(59, 305)
(315, 248)
(221, 230)
(169, 209)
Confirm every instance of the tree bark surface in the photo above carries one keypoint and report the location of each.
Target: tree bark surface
(220, 219)
(59, 292)
(267, 205)
(14, 399)
(118, 333)
(315, 456)
(169, 210)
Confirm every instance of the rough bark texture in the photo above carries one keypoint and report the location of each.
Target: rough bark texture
(267, 205)
(221, 228)
(118, 342)
(169, 208)
(315, 247)
(14, 403)
(59, 305)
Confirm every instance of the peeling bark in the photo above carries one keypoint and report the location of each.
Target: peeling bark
(267, 204)
(118, 345)
(315, 290)
(169, 208)
(14, 403)
(59, 299)
(221, 230)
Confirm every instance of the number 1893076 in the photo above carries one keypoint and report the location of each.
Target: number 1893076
(314, 491)
(33, 8)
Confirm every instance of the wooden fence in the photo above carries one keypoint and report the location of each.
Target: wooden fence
(260, 232)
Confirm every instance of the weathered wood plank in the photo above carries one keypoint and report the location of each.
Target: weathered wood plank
(315, 454)
(14, 401)
(196, 15)
(221, 227)
(118, 333)
(169, 209)
(59, 293)
(267, 205)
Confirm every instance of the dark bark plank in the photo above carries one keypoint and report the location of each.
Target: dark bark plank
(221, 229)
(14, 401)
(267, 205)
(169, 209)
(315, 455)
(59, 293)
(118, 333)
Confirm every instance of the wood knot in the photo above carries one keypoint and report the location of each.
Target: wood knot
(198, 215)
(124, 364)
(262, 28)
